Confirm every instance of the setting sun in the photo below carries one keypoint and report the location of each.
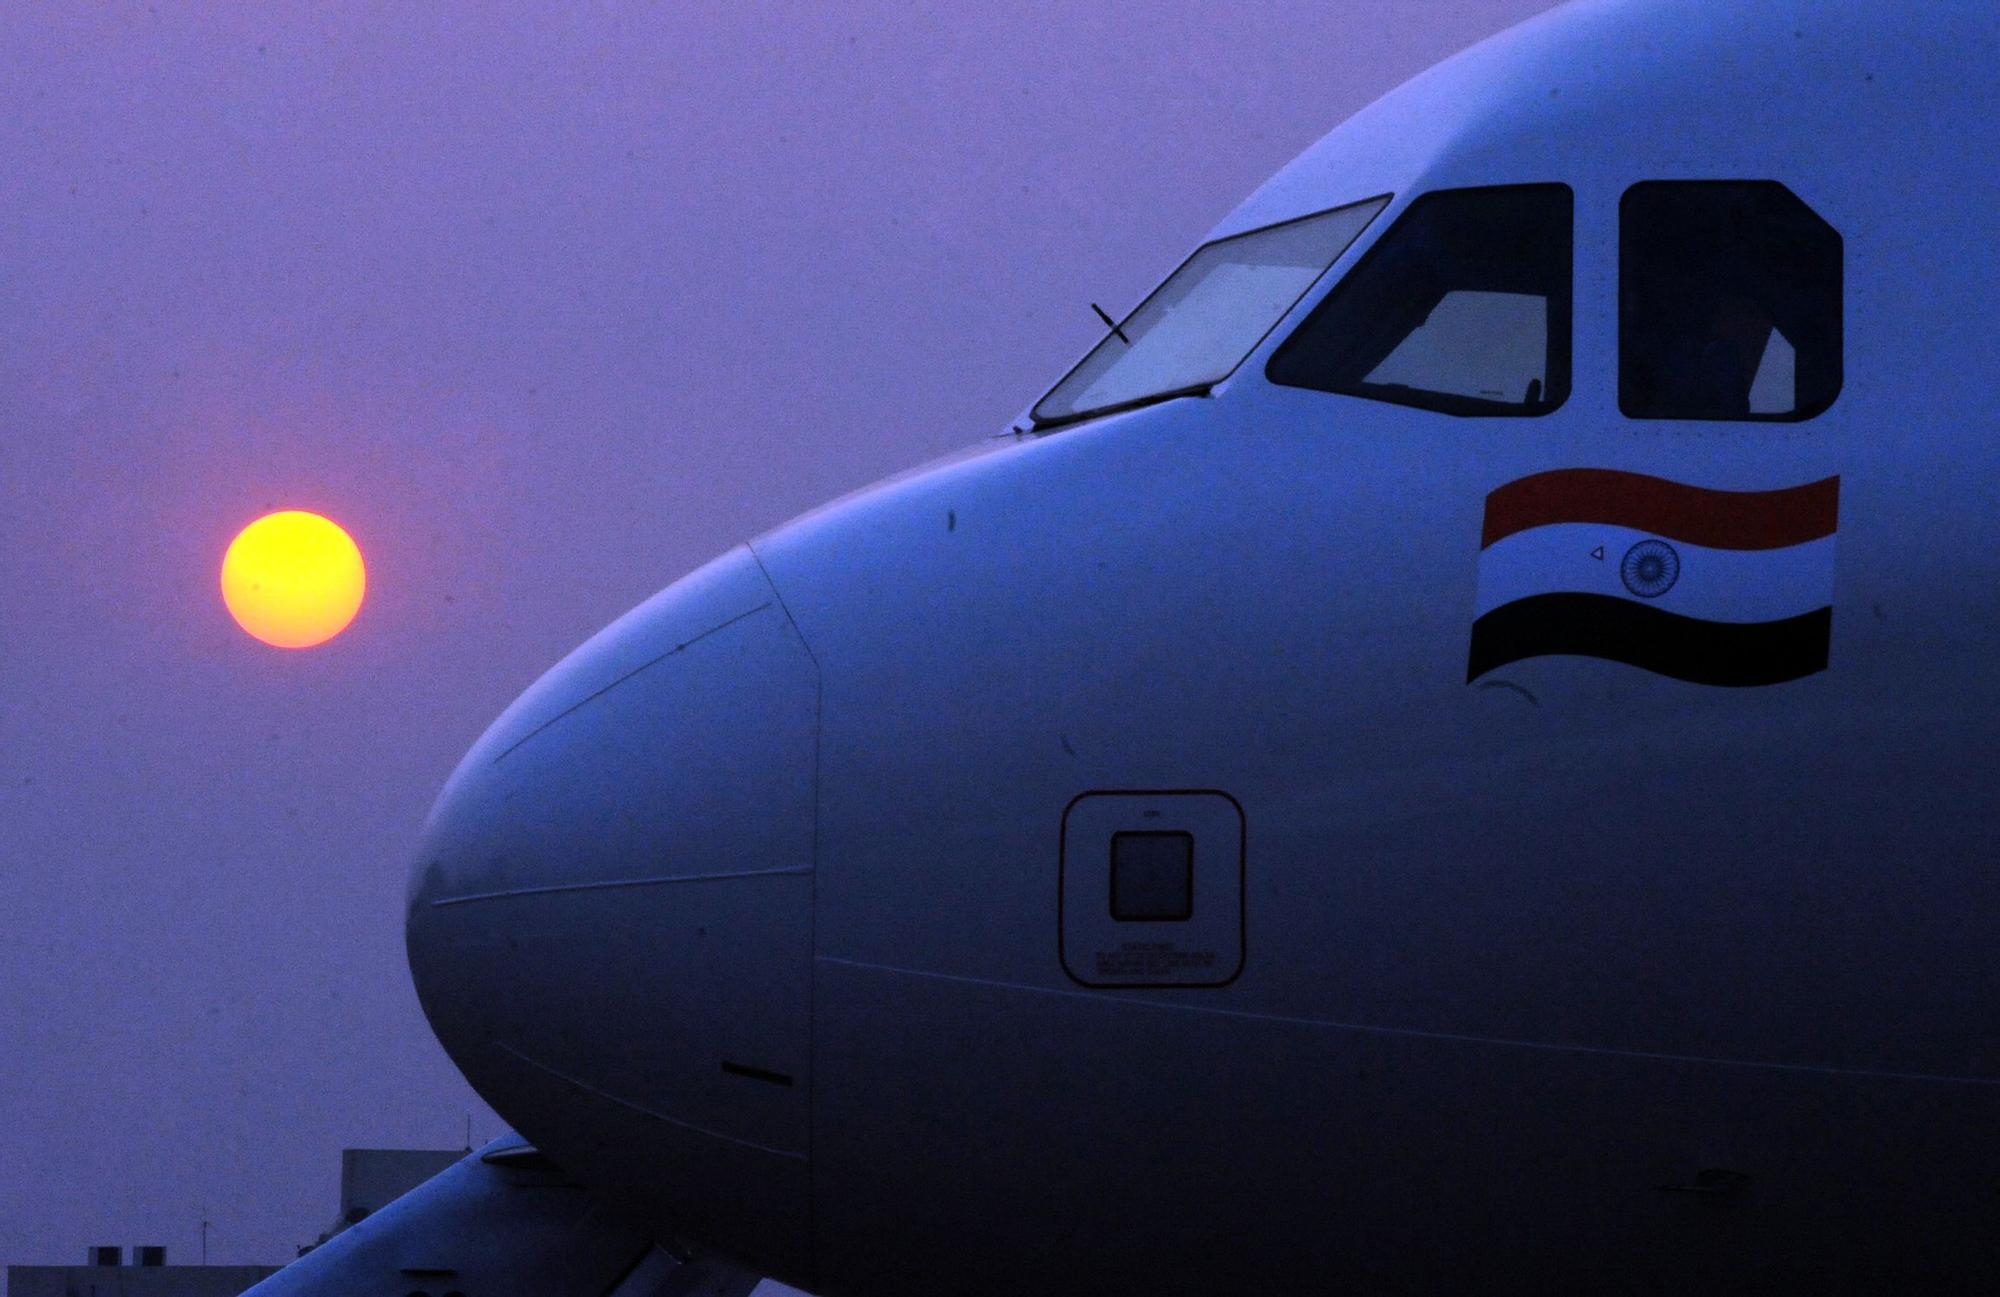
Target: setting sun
(293, 579)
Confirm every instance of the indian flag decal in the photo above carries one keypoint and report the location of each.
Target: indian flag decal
(1714, 587)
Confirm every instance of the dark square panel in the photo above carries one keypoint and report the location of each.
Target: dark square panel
(1152, 876)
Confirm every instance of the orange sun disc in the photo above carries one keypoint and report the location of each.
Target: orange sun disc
(293, 579)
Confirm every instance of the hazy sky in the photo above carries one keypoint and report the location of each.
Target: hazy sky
(547, 304)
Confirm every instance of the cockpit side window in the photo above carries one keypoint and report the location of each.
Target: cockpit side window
(1463, 307)
(1729, 302)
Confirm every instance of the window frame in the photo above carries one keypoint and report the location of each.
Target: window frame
(1839, 370)
(1561, 321)
(1386, 200)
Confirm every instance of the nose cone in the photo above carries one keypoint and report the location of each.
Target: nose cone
(610, 922)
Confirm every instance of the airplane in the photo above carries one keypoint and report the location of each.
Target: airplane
(1454, 751)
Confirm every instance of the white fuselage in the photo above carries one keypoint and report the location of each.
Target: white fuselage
(753, 913)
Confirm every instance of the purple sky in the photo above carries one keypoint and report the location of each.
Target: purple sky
(546, 310)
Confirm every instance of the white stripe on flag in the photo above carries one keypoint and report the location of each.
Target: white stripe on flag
(1737, 585)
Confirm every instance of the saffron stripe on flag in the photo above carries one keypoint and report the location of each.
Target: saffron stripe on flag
(1675, 510)
(1623, 630)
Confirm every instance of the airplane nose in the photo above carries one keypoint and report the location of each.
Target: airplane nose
(610, 917)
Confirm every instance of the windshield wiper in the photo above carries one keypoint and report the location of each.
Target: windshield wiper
(1046, 425)
(1110, 324)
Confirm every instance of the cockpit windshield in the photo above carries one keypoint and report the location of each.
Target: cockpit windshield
(1208, 315)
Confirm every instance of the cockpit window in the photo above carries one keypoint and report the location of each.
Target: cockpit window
(1199, 325)
(1729, 302)
(1463, 306)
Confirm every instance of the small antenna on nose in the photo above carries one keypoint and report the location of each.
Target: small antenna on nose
(1110, 324)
